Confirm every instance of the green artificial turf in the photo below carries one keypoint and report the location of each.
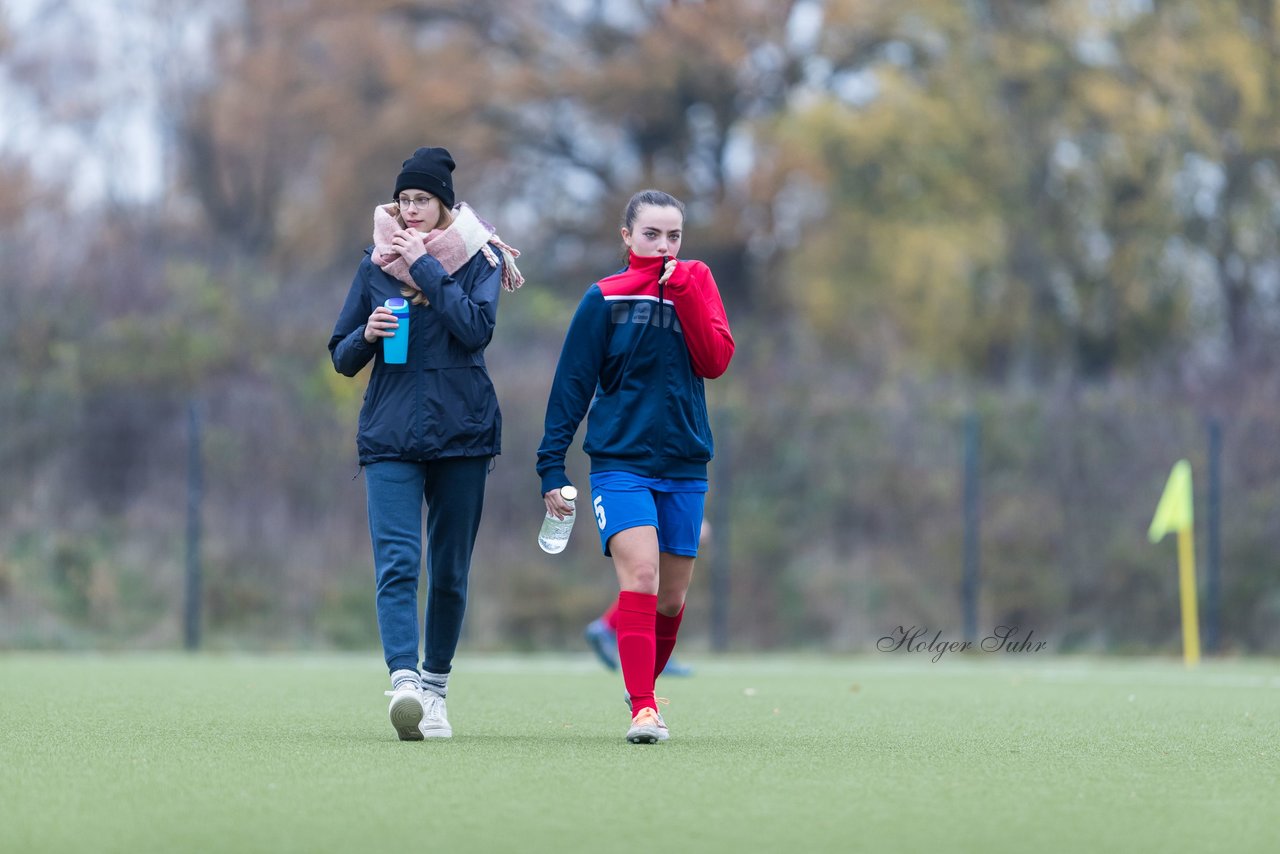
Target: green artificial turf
(771, 754)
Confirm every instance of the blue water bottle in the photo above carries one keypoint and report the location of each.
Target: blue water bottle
(395, 350)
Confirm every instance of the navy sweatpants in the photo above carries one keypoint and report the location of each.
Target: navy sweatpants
(453, 490)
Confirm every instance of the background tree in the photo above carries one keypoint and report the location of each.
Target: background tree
(1057, 215)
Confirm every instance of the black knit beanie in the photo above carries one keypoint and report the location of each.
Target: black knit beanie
(429, 169)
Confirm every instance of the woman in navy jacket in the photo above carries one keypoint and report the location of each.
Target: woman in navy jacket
(637, 351)
(429, 427)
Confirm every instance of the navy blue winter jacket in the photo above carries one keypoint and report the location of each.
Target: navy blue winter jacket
(441, 402)
(636, 354)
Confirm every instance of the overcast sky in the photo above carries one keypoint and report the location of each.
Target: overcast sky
(81, 89)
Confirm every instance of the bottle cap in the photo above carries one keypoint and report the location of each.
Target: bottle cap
(398, 305)
(569, 493)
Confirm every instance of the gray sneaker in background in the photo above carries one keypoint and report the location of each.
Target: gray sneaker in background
(603, 642)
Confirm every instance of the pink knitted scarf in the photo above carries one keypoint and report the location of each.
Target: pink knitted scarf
(452, 247)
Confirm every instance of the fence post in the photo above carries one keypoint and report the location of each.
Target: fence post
(720, 535)
(972, 516)
(1213, 586)
(195, 495)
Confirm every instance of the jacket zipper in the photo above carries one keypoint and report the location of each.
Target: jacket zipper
(657, 468)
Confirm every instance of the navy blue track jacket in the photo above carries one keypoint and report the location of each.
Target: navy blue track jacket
(636, 354)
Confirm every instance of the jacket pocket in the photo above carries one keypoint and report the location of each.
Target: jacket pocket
(386, 428)
(459, 411)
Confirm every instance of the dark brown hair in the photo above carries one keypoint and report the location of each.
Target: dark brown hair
(657, 198)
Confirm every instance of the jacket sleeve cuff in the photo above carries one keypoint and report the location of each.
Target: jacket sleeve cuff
(680, 276)
(554, 479)
(684, 275)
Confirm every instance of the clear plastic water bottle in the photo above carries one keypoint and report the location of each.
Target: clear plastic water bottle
(554, 535)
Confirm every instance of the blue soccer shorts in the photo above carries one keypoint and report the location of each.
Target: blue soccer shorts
(622, 500)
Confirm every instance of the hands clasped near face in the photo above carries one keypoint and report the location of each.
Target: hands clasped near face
(408, 242)
(382, 323)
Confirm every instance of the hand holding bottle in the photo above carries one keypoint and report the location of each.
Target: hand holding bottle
(558, 524)
(558, 504)
(381, 324)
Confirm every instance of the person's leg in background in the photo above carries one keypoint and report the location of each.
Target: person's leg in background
(602, 636)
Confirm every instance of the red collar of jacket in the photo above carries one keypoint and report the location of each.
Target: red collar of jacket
(640, 278)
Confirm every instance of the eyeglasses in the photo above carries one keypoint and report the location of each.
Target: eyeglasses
(420, 202)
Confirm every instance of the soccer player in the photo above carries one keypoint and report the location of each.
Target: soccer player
(636, 355)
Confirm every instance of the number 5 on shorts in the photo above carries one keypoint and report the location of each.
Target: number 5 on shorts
(598, 504)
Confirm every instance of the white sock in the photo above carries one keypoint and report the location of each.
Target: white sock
(436, 683)
(399, 677)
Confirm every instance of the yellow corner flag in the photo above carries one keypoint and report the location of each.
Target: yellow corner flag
(1174, 513)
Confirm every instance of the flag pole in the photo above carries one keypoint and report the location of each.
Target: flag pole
(1187, 588)
(1176, 514)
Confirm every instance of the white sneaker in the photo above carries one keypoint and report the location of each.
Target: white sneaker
(434, 722)
(406, 711)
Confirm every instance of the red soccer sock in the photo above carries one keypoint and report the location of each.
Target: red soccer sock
(665, 631)
(610, 617)
(637, 647)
